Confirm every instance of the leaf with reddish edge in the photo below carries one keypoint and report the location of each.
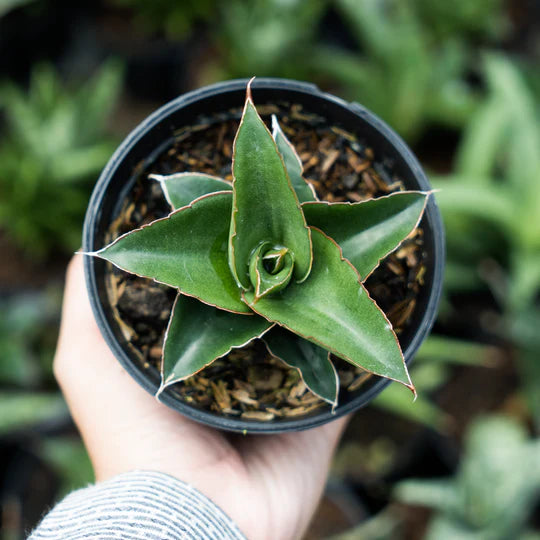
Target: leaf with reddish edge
(186, 250)
(333, 309)
(265, 206)
(198, 334)
(182, 189)
(276, 277)
(293, 164)
(368, 231)
(312, 362)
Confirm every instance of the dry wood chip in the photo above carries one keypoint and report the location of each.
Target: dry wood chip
(155, 352)
(359, 381)
(395, 186)
(344, 134)
(369, 182)
(299, 411)
(355, 196)
(244, 385)
(276, 412)
(329, 160)
(221, 394)
(264, 416)
(395, 267)
(420, 275)
(381, 184)
(243, 397)
(309, 399)
(313, 161)
(203, 381)
(298, 389)
(356, 163)
(234, 412)
(401, 311)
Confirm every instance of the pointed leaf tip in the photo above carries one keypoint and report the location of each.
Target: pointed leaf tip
(293, 164)
(265, 206)
(194, 263)
(249, 96)
(311, 361)
(368, 231)
(197, 334)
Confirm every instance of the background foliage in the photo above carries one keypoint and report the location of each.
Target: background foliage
(459, 80)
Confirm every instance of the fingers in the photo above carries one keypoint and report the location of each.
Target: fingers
(123, 426)
(293, 468)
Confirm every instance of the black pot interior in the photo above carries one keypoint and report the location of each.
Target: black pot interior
(150, 138)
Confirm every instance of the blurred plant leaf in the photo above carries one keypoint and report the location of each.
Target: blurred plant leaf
(431, 370)
(7, 5)
(53, 146)
(27, 337)
(25, 409)
(404, 69)
(69, 458)
(496, 448)
(175, 19)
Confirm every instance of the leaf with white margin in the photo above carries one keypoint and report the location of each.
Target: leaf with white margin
(181, 189)
(313, 362)
(198, 334)
(293, 164)
(265, 205)
(186, 250)
(333, 309)
(368, 231)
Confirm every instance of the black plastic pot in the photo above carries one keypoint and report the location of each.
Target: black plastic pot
(153, 135)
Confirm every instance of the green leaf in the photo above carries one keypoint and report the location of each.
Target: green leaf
(198, 334)
(367, 231)
(459, 194)
(183, 188)
(265, 206)
(24, 409)
(396, 399)
(186, 250)
(293, 164)
(313, 362)
(333, 309)
(481, 141)
(280, 264)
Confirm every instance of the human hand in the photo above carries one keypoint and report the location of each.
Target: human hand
(268, 484)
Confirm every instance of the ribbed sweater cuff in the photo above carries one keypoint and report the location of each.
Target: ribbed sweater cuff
(137, 505)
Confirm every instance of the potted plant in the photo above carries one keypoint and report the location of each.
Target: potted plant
(258, 272)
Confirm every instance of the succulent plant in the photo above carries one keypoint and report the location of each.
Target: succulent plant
(262, 257)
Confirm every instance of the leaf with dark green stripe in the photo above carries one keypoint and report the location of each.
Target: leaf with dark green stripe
(313, 362)
(367, 231)
(293, 164)
(333, 309)
(186, 250)
(183, 188)
(265, 206)
(198, 334)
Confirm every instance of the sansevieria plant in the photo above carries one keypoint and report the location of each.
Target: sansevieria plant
(262, 257)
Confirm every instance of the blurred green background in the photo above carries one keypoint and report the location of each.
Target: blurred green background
(460, 81)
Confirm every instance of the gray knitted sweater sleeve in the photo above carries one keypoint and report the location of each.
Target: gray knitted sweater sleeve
(137, 505)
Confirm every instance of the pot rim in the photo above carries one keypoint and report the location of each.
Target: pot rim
(432, 215)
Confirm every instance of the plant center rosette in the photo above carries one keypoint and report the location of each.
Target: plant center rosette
(262, 257)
